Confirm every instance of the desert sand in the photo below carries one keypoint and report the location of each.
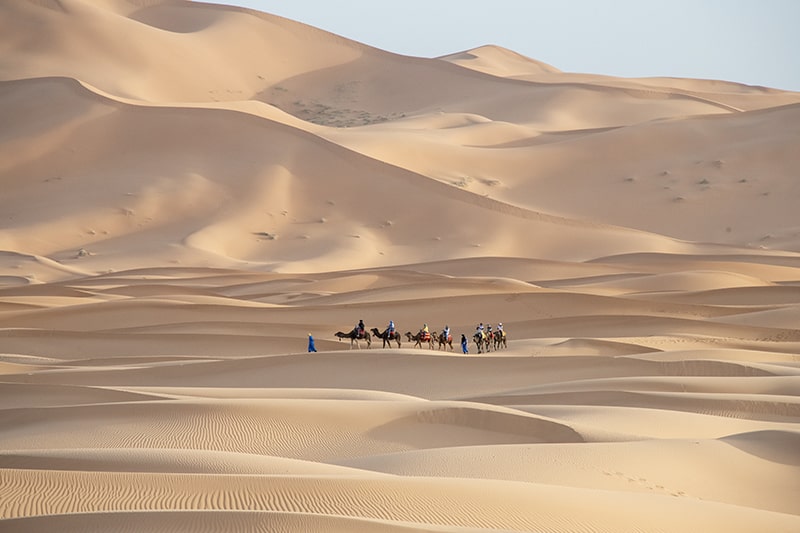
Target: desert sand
(187, 191)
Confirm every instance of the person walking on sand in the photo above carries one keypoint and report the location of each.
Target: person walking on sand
(311, 347)
(464, 344)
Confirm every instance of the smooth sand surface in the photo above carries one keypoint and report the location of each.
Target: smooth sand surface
(187, 191)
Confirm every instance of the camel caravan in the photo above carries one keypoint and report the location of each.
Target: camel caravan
(484, 338)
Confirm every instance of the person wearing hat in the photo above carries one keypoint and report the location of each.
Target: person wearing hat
(311, 347)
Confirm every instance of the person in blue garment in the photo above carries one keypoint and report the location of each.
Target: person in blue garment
(311, 346)
(464, 344)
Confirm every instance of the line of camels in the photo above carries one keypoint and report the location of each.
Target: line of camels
(484, 342)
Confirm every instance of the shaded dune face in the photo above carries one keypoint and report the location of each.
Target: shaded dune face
(188, 191)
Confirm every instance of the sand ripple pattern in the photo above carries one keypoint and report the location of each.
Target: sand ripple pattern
(459, 503)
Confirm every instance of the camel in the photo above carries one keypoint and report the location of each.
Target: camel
(448, 341)
(481, 342)
(387, 338)
(352, 335)
(418, 340)
(500, 340)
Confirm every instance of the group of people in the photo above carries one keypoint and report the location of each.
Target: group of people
(425, 335)
(484, 331)
(361, 329)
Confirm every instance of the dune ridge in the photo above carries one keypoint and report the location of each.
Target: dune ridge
(189, 190)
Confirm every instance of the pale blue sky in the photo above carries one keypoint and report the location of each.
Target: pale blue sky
(748, 41)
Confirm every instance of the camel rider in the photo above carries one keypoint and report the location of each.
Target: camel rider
(500, 331)
(446, 333)
(489, 331)
(425, 333)
(361, 328)
(390, 328)
(479, 331)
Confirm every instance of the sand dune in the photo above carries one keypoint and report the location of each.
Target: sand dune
(450, 502)
(188, 190)
(607, 466)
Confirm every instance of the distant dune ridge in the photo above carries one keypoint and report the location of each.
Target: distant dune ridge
(189, 190)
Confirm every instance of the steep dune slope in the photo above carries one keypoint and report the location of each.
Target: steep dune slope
(162, 50)
(241, 187)
(182, 51)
